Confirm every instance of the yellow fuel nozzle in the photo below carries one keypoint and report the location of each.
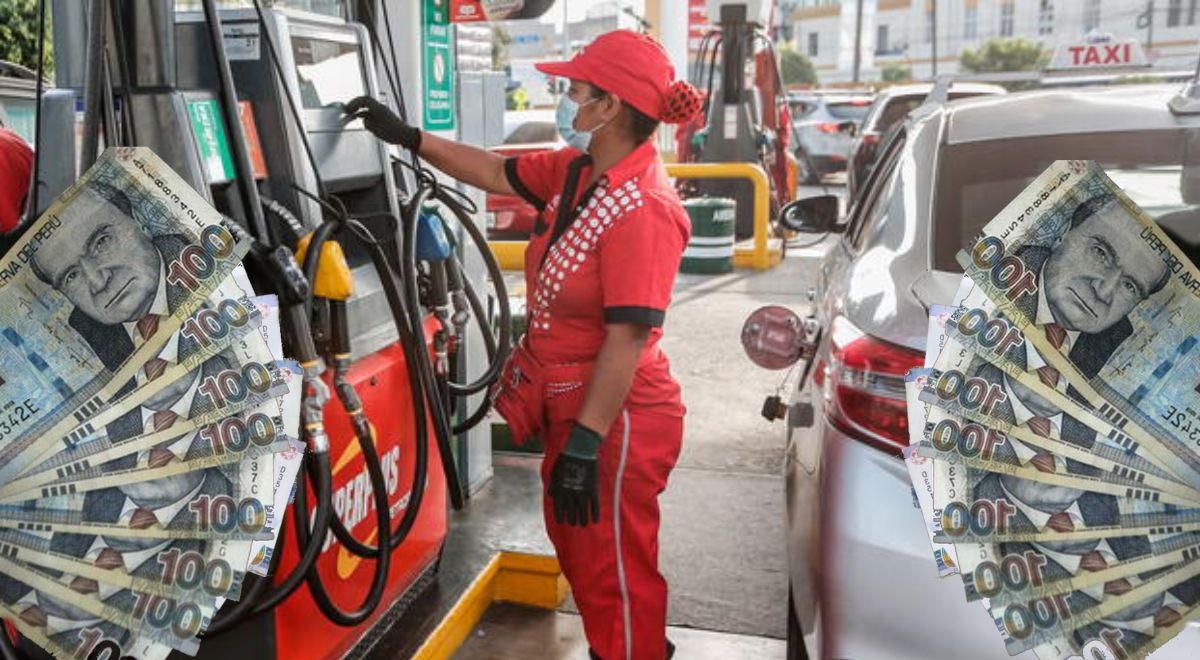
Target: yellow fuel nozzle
(333, 280)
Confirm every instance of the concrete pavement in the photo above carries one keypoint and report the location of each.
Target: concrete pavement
(722, 543)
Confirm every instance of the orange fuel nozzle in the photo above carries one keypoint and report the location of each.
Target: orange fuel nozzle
(333, 280)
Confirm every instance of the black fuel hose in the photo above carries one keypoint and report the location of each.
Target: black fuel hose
(413, 346)
(412, 343)
(317, 464)
(495, 355)
(383, 525)
(294, 318)
(485, 406)
(249, 607)
(496, 364)
(323, 487)
(437, 404)
(366, 442)
(8, 649)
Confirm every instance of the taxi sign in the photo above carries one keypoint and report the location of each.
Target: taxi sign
(1099, 54)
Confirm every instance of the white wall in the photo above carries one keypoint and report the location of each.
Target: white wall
(1174, 47)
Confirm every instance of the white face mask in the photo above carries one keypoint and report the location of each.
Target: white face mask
(564, 117)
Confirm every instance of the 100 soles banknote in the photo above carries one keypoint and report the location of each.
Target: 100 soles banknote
(1109, 301)
(95, 289)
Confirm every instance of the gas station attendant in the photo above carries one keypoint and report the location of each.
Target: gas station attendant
(588, 377)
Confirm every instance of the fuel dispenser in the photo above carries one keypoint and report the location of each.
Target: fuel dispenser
(363, 249)
(746, 118)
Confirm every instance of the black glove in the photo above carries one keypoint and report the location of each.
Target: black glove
(384, 123)
(574, 486)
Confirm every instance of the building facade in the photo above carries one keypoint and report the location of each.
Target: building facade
(927, 36)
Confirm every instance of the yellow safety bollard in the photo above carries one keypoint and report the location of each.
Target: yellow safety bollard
(763, 255)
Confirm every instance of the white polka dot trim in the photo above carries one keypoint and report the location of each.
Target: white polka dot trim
(578, 242)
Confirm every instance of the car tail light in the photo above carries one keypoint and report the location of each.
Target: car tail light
(871, 138)
(827, 127)
(864, 387)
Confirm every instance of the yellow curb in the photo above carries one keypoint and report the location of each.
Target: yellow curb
(533, 580)
(515, 577)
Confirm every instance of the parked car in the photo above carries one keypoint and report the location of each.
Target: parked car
(524, 132)
(863, 581)
(18, 92)
(890, 106)
(824, 126)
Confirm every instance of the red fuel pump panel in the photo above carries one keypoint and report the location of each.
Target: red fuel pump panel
(382, 381)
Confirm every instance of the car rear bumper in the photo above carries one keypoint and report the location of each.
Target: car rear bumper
(869, 559)
(829, 164)
(879, 594)
(825, 148)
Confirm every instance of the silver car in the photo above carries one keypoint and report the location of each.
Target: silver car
(891, 105)
(824, 127)
(864, 584)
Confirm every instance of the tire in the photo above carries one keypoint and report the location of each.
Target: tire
(795, 636)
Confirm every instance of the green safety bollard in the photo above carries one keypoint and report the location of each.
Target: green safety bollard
(710, 250)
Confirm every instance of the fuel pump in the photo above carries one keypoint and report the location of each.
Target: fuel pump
(359, 245)
(746, 119)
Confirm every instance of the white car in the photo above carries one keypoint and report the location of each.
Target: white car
(863, 581)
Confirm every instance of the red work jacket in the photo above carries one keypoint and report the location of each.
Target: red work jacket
(605, 253)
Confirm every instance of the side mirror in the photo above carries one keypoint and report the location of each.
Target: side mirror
(811, 215)
(848, 128)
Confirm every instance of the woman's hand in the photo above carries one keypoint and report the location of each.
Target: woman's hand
(384, 123)
(574, 484)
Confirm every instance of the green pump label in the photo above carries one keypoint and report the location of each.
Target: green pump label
(437, 55)
(211, 139)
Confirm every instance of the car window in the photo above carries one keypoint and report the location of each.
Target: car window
(803, 108)
(850, 110)
(895, 110)
(976, 180)
(19, 115)
(868, 209)
(966, 95)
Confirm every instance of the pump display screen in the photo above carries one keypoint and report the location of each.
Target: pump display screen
(330, 72)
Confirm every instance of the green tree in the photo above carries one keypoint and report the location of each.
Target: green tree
(896, 73)
(18, 33)
(501, 40)
(1005, 55)
(795, 68)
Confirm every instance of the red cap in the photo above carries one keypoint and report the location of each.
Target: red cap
(16, 167)
(636, 69)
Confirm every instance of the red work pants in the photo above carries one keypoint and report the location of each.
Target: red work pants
(612, 565)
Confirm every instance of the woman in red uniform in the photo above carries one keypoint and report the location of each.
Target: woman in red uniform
(589, 375)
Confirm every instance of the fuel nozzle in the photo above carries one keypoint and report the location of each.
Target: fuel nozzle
(334, 280)
(277, 263)
(316, 395)
(435, 248)
(458, 298)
